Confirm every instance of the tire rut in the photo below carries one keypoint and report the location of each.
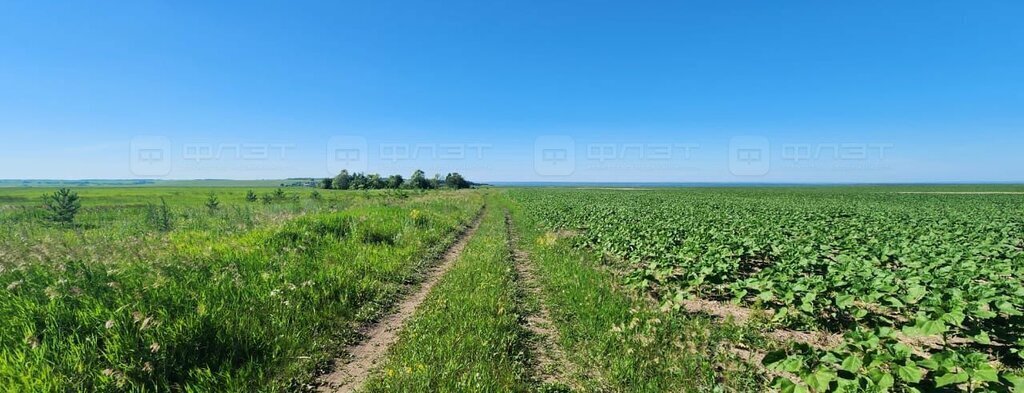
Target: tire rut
(551, 366)
(351, 372)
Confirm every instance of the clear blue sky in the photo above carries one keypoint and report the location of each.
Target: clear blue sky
(757, 91)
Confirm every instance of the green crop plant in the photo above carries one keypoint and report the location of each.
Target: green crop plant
(944, 269)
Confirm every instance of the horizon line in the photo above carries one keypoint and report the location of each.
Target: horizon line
(553, 182)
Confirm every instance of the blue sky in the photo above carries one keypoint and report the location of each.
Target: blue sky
(783, 91)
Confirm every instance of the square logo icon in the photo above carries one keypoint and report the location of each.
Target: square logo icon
(347, 152)
(554, 155)
(150, 156)
(749, 156)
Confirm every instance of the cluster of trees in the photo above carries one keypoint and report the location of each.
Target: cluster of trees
(63, 205)
(373, 181)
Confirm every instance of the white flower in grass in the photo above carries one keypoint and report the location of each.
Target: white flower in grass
(14, 285)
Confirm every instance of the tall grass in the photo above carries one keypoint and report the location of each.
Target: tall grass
(250, 298)
(466, 335)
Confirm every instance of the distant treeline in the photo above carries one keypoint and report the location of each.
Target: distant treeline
(373, 181)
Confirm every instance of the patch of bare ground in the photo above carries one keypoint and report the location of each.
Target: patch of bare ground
(740, 315)
(737, 314)
(755, 358)
(551, 365)
(921, 346)
(720, 310)
(815, 339)
(351, 372)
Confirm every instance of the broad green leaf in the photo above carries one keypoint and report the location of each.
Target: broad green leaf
(931, 328)
(772, 359)
(786, 386)
(910, 374)
(882, 380)
(1007, 308)
(894, 302)
(984, 313)
(954, 317)
(925, 328)
(950, 379)
(914, 294)
(844, 301)
(852, 363)
(819, 379)
(792, 364)
(987, 374)
(886, 382)
(1016, 380)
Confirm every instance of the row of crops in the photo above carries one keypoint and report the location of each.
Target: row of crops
(925, 288)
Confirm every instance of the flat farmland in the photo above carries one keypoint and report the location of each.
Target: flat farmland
(787, 289)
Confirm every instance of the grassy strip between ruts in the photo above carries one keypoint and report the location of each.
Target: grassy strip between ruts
(466, 336)
(624, 343)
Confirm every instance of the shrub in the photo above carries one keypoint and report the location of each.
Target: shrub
(159, 216)
(212, 202)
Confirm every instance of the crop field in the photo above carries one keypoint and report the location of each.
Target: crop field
(866, 290)
(791, 289)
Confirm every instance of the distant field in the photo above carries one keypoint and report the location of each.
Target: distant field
(590, 288)
(150, 183)
(176, 195)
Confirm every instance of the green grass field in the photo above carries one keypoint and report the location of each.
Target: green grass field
(869, 288)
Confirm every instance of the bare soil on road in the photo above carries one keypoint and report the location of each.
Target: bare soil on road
(351, 372)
